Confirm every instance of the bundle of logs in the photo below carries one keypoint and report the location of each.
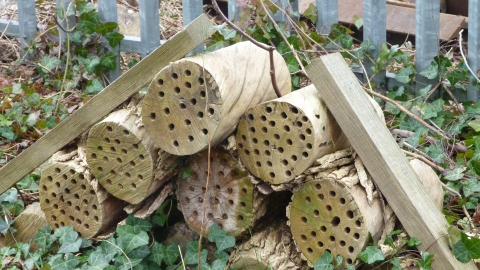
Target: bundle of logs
(249, 155)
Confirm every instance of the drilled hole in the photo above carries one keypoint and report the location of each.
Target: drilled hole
(254, 140)
(266, 143)
(56, 184)
(280, 149)
(347, 230)
(350, 214)
(95, 218)
(47, 201)
(183, 106)
(200, 115)
(264, 130)
(272, 175)
(190, 138)
(298, 124)
(269, 164)
(201, 82)
(177, 90)
(175, 143)
(256, 152)
(285, 162)
(323, 228)
(240, 217)
(252, 129)
(303, 237)
(316, 212)
(305, 154)
(342, 201)
(105, 158)
(313, 234)
(57, 170)
(320, 196)
(289, 142)
(333, 193)
(284, 115)
(267, 153)
(276, 136)
(351, 249)
(286, 128)
(308, 131)
(329, 208)
(230, 202)
(71, 218)
(304, 220)
(263, 118)
(77, 208)
(288, 173)
(133, 185)
(230, 190)
(250, 116)
(132, 163)
(332, 238)
(268, 109)
(175, 75)
(188, 85)
(271, 123)
(358, 223)
(119, 160)
(205, 131)
(356, 236)
(243, 204)
(258, 164)
(210, 215)
(293, 158)
(320, 244)
(211, 111)
(171, 127)
(64, 176)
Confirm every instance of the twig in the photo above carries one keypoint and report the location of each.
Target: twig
(407, 112)
(463, 56)
(270, 49)
(459, 148)
(181, 257)
(452, 191)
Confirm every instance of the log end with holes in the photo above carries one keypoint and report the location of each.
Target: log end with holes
(120, 161)
(68, 199)
(182, 108)
(324, 216)
(228, 198)
(276, 141)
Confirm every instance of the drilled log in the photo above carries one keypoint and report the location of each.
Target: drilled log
(124, 160)
(27, 225)
(70, 196)
(231, 203)
(430, 181)
(198, 100)
(270, 248)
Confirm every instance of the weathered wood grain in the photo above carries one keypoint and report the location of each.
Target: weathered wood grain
(113, 95)
(382, 157)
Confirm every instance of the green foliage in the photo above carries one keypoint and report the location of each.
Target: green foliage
(130, 246)
(467, 248)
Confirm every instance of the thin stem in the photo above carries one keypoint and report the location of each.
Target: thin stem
(270, 49)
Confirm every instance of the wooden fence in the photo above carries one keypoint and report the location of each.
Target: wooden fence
(374, 16)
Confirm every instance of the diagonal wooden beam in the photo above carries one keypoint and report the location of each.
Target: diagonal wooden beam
(381, 155)
(104, 102)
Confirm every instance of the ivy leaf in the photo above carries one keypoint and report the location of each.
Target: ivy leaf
(157, 253)
(84, 7)
(114, 38)
(7, 133)
(219, 264)
(105, 28)
(139, 253)
(49, 63)
(292, 63)
(138, 224)
(191, 254)
(431, 71)
(87, 22)
(454, 77)
(467, 249)
(221, 255)
(324, 262)
(396, 264)
(426, 261)
(41, 238)
(109, 249)
(371, 255)
(311, 13)
(215, 232)
(425, 90)
(93, 86)
(443, 63)
(124, 263)
(70, 246)
(225, 242)
(186, 173)
(109, 61)
(171, 254)
(404, 75)
(413, 242)
(90, 63)
(4, 121)
(129, 239)
(159, 219)
(475, 124)
(474, 166)
(453, 174)
(228, 33)
(358, 21)
(97, 259)
(4, 226)
(69, 262)
(471, 186)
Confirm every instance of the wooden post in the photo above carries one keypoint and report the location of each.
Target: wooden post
(327, 15)
(27, 225)
(124, 160)
(382, 157)
(27, 24)
(67, 21)
(104, 102)
(198, 101)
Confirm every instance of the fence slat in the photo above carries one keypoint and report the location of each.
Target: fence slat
(427, 32)
(327, 11)
(233, 10)
(27, 24)
(191, 10)
(375, 28)
(107, 10)
(473, 44)
(68, 7)
(149, 26)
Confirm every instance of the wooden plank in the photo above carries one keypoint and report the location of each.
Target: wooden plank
(383, 158)
(99, 106)
(401, 19)
(149, 26)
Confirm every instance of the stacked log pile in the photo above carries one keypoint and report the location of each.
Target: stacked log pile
(290, 143)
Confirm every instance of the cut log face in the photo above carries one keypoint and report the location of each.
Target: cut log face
(325, 216)
(280, 139)
(199, 100)
(230, 194)
(122, 157)
(27, 225)
(68, 199)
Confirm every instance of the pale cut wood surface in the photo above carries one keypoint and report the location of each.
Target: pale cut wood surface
(27, 225)
(382, 157)
(113, 95)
